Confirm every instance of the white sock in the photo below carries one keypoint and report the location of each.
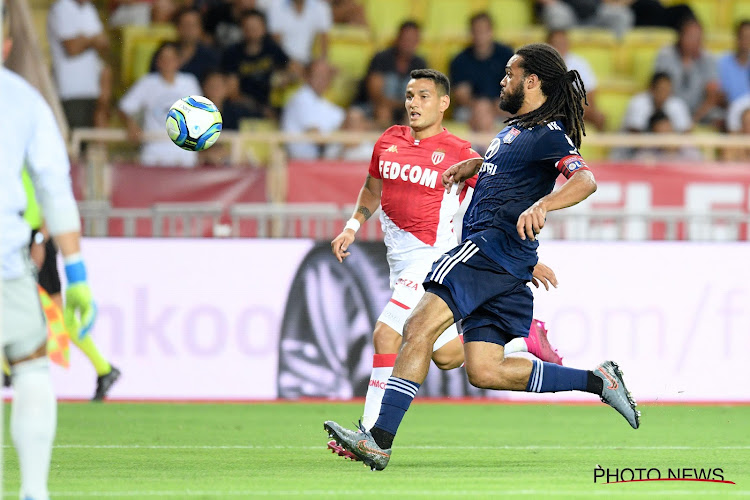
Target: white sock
(518, 344)
(382, 367)
(32, 424)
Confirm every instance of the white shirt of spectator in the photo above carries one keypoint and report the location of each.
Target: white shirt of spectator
(578, 63)
(37, 144)
(77, 76)
(641, 107)
(298, 30)
(735, 112)
(153, 96)
(306, 110)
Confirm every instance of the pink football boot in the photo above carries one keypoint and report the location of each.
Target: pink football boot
(539, 346)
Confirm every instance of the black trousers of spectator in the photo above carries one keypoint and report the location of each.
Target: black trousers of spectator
(79, 112)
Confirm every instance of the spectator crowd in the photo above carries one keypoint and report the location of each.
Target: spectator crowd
(269, 60)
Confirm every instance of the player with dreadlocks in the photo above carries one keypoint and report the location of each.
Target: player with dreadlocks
(482, 281)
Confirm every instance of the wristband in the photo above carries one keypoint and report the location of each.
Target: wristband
(75, 270)
(352, 224)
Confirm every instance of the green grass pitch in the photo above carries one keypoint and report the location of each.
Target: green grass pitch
(214, 451)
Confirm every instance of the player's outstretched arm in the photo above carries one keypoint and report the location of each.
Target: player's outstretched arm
(368, 202)
(580, 186)
(460, 172)
(544, 274)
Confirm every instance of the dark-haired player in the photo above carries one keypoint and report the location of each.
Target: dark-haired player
(417, 217)
(482, 282)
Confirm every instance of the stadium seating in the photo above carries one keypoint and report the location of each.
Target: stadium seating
(385, 16)
(510, 14)
(719, 42)
(440, 53)
(740, 11)
(449, 18)
(519, 36)
(349, 50)
(638, 51)
(598, 47)
(138, 46)
(614, 102)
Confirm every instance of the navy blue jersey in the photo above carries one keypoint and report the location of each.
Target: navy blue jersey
(519, 168)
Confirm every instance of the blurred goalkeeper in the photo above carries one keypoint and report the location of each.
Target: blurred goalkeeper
(31, 138)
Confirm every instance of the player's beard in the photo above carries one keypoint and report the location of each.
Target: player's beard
(512, 101)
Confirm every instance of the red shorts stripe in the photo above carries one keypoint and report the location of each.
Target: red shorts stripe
(384, 360)
(399, 304)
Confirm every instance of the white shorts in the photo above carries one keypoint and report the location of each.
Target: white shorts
(24, 327)
(407, 291)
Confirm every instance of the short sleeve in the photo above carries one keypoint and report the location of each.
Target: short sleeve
(274, 17)
(374, 170)
(324, 19)
(132, 101)
(62, 23)
(557, 150)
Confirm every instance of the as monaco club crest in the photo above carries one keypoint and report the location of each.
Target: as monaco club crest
(438, 156)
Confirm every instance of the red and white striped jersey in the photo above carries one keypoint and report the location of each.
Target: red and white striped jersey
(417, 213)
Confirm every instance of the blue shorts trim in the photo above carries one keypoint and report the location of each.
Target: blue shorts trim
(491, 304)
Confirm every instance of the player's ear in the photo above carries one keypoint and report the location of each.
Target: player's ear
(445, 101)
(532, 81)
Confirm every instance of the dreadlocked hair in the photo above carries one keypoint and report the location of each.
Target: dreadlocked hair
(564, 91)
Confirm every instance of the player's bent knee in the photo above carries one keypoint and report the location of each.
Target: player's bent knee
(479, 379)
(450, 356)
(485, 376)
(385, 339)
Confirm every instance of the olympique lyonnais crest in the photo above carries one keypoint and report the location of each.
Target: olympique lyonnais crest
(438, 156)
(511, 135)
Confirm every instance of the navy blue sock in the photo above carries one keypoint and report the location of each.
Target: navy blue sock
(398, 396)
(549, 377)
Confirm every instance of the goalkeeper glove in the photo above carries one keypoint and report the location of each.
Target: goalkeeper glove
(80, 310)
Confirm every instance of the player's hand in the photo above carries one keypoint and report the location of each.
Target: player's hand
(544, 274)
(79, 313)
(341, 243)
(460, 172)
(531, 221)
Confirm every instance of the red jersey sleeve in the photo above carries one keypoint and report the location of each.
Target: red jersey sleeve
(466, 154)
(374, 170)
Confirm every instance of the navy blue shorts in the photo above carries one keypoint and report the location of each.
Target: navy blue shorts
(491, 304)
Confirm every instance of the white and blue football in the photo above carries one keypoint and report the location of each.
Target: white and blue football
(194, 123)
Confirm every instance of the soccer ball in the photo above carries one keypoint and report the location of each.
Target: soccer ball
(194, 123)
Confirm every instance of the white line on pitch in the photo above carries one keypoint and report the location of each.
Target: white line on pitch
(425, 447)
(604, 491)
